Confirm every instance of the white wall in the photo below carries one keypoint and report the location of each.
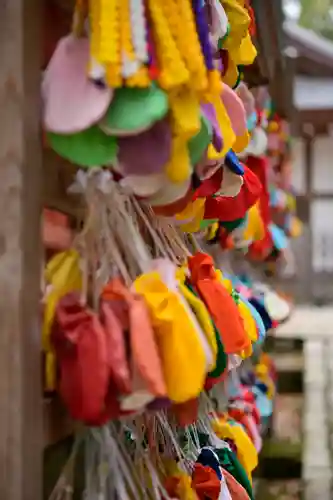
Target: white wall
(321, 212)
(323, 162)
(321, 218)
(298, 166)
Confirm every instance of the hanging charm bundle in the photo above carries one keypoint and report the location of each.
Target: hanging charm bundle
(142, 332)
(145, 89)
(136, 323)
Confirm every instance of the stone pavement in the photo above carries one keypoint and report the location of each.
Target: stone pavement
(308, 322)
(316, 430)
(315, 327)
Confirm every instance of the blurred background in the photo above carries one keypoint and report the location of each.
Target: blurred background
(302, 87)
(297, 49)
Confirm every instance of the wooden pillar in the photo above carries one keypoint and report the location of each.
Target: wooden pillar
(309, 174)
(20, 209)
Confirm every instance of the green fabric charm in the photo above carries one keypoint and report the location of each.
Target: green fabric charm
(239, 79)
(134, 110)
(198, 144)
(89, 148)
(223, 39)
(221, 359)
(232, 225)
(229, 461)
(207, 222)
(235, 296)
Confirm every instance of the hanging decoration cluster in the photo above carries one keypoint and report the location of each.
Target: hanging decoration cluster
(144, 336)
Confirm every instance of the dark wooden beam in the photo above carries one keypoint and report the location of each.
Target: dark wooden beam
(316, 195)
(320, 119)
(269, 17)
(21, 425)
(309, 67)
(309, 173)
(312, 55)
(308, 166)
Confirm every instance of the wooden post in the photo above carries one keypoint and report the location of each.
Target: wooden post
(20, 209)
(309, 174)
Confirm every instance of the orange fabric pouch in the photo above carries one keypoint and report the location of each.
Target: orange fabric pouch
(116, 348)
(145, 365)
(220, 304)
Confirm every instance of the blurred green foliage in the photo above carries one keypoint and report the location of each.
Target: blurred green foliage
(318, 16)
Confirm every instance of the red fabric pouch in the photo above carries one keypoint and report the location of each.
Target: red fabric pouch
(227, 208)
(79, 342)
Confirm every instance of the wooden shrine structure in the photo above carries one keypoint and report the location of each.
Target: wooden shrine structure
(21, 174)
(312, 120)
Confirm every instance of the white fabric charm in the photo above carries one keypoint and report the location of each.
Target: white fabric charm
(139, 30)
(231, 183)
(277, 308)
(258, 144)
(220, 24)
(129, 67)
(143, 185)
(224, 492)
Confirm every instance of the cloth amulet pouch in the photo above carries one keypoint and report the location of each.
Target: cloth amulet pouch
(219, 303)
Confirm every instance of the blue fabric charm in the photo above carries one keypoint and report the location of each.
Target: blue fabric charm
(208, 458)
(232, 162)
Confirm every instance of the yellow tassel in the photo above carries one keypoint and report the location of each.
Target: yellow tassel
(214, 82)
(94, 15)
(173, 72)
(126, 47)
(185, 109)
(112, 76)
(193, 55)
(226, 128)
(178, 169)
(109, 26)
(108, 39)
(181, 21)
(140, 79)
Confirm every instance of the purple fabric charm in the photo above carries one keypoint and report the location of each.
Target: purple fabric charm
(159, 404)
(209, 112)
(203, 33)
(146, 153)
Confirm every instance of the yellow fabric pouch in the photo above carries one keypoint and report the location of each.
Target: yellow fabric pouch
(179, 345)
(246, 451)
(254, 230)
(249, 322)
(225, 126)
(239, 20)
(190, 218)
(262, 373)
(224, 281)
(231, 76)
(200, 311)
(246, 53)
(63, 274)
